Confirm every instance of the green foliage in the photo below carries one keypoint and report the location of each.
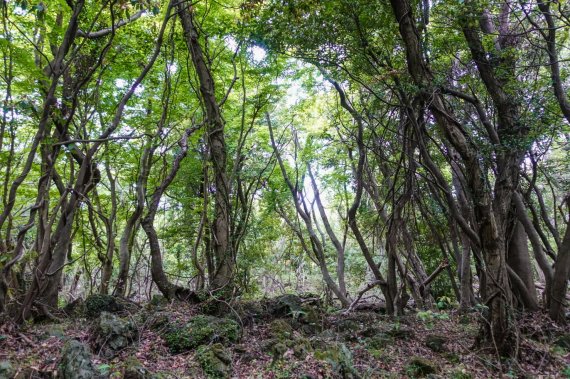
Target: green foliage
(444, 302)
(429, 316)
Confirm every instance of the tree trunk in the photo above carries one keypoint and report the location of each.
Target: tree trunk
(225, 258)
(560, 280)
(518, 259)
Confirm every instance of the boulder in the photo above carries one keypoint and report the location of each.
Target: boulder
(215, 360)
(278, 350)
(419, 367)
(97, 303)
(201, 330)
(112, 334)
(398, 332)
(347, 325)
(55, 330)
(280, 329)
(286, 306)
(133, 369)
(76, 362)
(340, 359)
(436, 343)
(301, 348)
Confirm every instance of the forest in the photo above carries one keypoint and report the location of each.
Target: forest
(284, 189)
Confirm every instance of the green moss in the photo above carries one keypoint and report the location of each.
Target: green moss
(280, 329)
(460, 374)
(202, 330)
(339, 357)
(97, 303)
(419, 367)
(215, 360)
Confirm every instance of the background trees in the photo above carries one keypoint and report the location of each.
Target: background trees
(412, 150)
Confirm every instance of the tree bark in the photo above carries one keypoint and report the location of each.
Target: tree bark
(224, 256)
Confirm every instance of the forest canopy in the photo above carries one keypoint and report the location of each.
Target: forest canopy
(402, 156)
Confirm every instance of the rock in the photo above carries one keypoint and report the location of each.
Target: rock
(215, 360)
(202, 330)
(401, 333)
(369, 332)
(419, 367)
(6, 369)
(241, 349)
(278, 350)
(97, 303)
(112, 334)
(55, 330)
(340, 359)
(347, 325)
(74, 308)
(301, 348)
(249, 311)
(280, 329)
(436, 343)
(311, 316)
(267, 345)
(76, 362)
(319, 343)
(563, 341)
(135, 370)
(286, 306)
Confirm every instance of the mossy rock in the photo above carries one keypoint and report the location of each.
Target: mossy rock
(97, 303)
(369, 332)
(202, 330)
(452, 357)
(419, 367)
(55, 330)
(76, 362)
(112, 334)
(250, 310)
(287, 305)
(340, 359)
(436, 342)
(215, 360)
(347, 325)
(301, 348)
(400, 333)
(278, 350)
(313, 315)
(280, 329)
(134, 369)
(75, 308)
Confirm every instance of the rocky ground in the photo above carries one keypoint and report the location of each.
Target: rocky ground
(285, 337)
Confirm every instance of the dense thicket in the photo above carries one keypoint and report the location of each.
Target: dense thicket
(237, 148)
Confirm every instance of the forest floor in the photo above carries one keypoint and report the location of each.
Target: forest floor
(361, 344)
